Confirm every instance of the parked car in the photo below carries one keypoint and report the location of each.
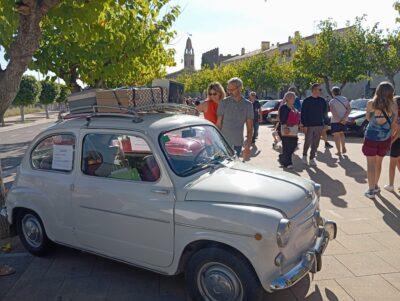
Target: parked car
(165, 192)
(357, 122)
(268, 107)
(263, 101)
(273, 117)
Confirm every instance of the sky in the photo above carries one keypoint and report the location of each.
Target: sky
(233, 24)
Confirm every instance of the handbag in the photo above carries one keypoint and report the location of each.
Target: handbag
(293, 130)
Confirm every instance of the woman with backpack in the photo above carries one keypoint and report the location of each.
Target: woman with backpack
(382, 126)
(289, 118)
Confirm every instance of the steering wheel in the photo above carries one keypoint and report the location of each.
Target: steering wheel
(201, 151)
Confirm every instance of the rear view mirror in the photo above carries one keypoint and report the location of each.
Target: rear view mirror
(189, 133)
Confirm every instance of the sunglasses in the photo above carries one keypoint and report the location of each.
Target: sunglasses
(213, 94)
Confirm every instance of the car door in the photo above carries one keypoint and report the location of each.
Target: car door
(50, 173)
(123, 199)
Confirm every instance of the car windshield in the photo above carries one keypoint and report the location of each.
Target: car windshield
(359, 104)
(191, 149)
(270, 104)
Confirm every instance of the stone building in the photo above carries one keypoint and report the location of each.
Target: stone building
(213, 58)
(188, 61)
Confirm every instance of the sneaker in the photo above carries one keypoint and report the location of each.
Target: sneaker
(274, 145)
(289, 167)
(304, 160)
(389, 188)
(313, 162)
(370, 193)
(377, 189)
(328, 145)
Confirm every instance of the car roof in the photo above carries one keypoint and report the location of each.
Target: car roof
(150, 122)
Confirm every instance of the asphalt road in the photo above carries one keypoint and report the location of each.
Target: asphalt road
(13, 145)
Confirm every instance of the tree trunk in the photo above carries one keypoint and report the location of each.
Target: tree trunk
(328, 86)
(46, 108)
(22, 48)
(4, 226)
(21, 111)
(391, 79)
(2, 121)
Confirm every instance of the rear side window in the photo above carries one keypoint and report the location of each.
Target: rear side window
(123, 157)
(54, 153)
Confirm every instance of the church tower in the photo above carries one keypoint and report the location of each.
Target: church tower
(189, 56)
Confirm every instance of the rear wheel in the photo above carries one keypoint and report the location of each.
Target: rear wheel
(216, 274)
(32, 233)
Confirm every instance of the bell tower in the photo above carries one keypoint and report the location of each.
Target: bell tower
(189, 55)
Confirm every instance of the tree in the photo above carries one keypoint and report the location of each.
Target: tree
(81, 23)
(386, 54)
(336, 56)
(49, 94)
(63, 96)
(28, 93)
(19, 36)
(302, 81)
(125, 45)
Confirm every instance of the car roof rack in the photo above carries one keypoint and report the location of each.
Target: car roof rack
(90, 112)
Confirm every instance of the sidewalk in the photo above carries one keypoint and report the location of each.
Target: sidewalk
(14, 122)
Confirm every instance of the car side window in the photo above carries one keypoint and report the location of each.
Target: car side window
(123, 157)
(55, 153)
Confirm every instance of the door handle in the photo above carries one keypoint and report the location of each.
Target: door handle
(160, 191)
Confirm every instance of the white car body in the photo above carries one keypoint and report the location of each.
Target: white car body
(152, 225)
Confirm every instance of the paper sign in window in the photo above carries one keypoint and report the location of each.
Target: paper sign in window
(139, 145)
(62, 157)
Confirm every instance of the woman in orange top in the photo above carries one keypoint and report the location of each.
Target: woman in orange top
(210, 106)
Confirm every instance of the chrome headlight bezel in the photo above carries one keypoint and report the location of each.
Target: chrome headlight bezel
(317, 189)
(283, 232)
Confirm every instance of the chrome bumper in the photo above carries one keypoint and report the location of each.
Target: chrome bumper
(311, 260)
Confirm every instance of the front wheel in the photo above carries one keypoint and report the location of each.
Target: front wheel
(216, 274)
(32, 233)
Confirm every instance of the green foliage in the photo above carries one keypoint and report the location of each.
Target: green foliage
(63, 95)
(107, 43)
(337, 56)
(29, 91)
(386, 53)
(50, 92)
(259, 73)
(8, 22)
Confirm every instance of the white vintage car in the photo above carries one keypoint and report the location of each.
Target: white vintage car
(163, 191)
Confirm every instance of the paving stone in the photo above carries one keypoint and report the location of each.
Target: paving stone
(369, 288)
(335, 248)
(357, 227)
(284, 295)
(390, 240)
(139, 284)
(332, 269)
(393, 279)
(359, 243)
(361, 264)
(91, 286)
(35, 289)
(320, 290)
(172, 285)
(391, 257)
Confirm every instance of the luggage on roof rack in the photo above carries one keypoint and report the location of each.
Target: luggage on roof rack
(111, 100)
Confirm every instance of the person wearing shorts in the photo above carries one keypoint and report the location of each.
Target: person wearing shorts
(340, 109)
(394, 152)
(381, 114)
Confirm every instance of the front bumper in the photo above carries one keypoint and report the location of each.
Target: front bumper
(311, 261)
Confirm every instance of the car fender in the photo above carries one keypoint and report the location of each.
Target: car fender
(251, 230)
(32, 199)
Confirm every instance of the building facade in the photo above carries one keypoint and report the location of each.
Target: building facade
(188, 61)
(213, 58)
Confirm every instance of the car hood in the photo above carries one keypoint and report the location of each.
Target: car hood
(356, 113)
(241, 183)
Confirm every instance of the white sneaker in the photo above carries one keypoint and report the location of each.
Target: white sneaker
(377, 189)
(313, 162)
(304, 160)
(370, 193)
(290, 167)
(389, 188)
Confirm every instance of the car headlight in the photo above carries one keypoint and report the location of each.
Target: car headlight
(317, 189)
(283, 232)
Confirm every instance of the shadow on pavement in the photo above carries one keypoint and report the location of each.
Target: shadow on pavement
(301, 291)
(353, 170)
(391, 214)
(326, 157)
(331, 188)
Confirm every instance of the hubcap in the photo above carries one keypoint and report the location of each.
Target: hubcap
(217, 282)
(32, 230)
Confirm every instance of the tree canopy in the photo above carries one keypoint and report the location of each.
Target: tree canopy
(50, 92)
(29, 91)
